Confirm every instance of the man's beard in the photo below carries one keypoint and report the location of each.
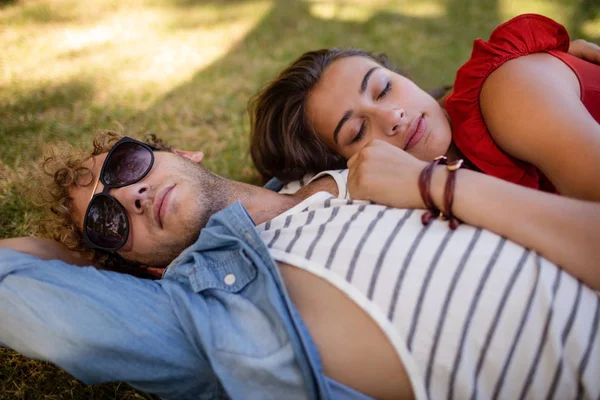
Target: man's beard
(212, 197)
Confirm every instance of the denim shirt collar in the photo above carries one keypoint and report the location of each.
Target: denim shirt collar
(234, 218)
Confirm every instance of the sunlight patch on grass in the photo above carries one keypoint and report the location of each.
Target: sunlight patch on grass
(134, 52)
(352, 11)
(591, 28)
(559, 11)
(420, 9)
(361, 11)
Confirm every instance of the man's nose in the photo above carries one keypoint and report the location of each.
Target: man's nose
(390, 120)
(133, 197)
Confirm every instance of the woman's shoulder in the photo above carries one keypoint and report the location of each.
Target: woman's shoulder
(527, 73)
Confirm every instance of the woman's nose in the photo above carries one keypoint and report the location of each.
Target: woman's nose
(391, 120)
(133, 197)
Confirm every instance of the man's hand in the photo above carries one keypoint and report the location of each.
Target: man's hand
(46, 249)
(385, 174)
(585, 50)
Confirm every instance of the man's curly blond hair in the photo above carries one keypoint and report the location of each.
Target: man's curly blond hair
(62, 169)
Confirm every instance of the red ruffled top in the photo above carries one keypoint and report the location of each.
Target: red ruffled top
(522, 35)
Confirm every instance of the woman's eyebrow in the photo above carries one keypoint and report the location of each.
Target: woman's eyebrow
(345, 118)
(348, 114)
(365, 81)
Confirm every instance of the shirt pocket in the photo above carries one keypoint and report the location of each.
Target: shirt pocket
(241, 304)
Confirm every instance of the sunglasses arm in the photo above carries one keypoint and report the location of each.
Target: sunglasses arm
(94, 189)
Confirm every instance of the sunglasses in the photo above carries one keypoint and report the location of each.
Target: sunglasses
(106, 223)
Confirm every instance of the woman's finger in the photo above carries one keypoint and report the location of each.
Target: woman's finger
(352, 160)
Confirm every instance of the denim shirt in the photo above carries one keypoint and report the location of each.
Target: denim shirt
(219, 324)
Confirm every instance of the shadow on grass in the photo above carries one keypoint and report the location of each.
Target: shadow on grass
(6, 3)
(62, 95)
(28, 120)
(36, 13)
(26, 379)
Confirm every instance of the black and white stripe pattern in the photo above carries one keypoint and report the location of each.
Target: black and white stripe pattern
(478, 316)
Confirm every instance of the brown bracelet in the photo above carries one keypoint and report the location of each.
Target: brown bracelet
(425, 190)
(449, 194)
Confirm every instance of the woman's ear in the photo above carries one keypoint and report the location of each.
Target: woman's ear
(195, 156)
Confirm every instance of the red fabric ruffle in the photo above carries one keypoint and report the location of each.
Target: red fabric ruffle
(522, 35)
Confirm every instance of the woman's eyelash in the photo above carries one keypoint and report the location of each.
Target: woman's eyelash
(360, 134)
(361, 131)
(385, 90)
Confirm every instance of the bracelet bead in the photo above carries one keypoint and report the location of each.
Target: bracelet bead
(453, 222)
(448, 198)
(425, 190)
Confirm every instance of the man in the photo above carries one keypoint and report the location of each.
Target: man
(301, 296)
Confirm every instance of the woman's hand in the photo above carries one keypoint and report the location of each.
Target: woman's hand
(585, 50)
(386, 175)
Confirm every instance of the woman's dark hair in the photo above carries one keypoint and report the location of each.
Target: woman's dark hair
(283, 143)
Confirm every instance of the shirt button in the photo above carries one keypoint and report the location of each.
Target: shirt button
(229, 279)
(249, 237)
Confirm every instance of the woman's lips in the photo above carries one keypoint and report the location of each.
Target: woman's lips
(416, 132)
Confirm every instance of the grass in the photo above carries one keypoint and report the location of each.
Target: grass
(184, 70)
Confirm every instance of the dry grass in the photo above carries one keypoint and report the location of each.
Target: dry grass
(184, 70)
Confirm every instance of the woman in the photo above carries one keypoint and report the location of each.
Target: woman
(314, 94)
(522, 109)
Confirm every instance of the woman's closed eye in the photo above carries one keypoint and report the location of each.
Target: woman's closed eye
(385, 90)
(361, 132)
(359, 135)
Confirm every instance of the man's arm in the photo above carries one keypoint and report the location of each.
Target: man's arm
(46, 249)
(99, 326)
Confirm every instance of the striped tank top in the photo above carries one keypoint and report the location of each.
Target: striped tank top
(470, 313)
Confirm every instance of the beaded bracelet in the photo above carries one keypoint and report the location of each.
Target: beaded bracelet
(425, 190)
(449, 194)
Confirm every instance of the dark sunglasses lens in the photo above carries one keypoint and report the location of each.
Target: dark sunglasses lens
(106, 224)
(126, 164)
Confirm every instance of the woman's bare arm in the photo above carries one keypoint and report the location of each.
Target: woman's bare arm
(585, 50)
(532, 108)
(564, 230)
